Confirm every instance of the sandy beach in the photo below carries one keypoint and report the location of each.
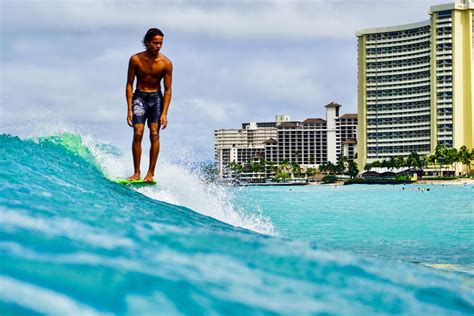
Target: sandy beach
(463, 181)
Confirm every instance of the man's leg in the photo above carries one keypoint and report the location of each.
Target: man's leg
(137, 149)
(154, 149)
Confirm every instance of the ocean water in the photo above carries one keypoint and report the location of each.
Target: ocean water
(433, 226)
(72, 242)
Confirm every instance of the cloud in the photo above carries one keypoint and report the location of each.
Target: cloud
(210, 110)
(281, 80)
(232, 19)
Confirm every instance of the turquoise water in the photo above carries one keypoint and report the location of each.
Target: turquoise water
(402, 223)
(73, 242)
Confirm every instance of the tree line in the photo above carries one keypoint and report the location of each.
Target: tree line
(443, 157)
(287, 169)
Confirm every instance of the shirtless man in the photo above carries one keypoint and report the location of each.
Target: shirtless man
(147, 103)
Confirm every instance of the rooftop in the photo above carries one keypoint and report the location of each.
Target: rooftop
(332, 105)
(348, 116)
(288, 125)
(314, 121)
(270, 141)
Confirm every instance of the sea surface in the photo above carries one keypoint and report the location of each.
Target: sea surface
(72, 242)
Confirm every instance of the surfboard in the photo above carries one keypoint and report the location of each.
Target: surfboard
(134, 182)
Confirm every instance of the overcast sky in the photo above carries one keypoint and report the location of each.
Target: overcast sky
(65, 62)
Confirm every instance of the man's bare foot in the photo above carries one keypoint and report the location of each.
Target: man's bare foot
(148, 177)
(135, 176)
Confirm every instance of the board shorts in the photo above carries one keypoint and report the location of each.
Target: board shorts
(146, 106)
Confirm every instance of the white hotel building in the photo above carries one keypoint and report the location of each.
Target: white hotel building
(309, 143)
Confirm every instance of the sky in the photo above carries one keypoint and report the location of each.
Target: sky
(64, 63)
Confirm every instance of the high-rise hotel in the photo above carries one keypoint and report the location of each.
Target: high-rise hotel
(416, 85)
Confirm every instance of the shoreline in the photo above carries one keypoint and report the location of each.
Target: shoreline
(462, 181)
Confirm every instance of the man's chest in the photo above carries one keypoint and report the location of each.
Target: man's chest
(150, 69)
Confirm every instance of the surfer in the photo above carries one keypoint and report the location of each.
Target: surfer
(148, 103)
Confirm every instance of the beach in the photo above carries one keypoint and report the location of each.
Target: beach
(460, 181)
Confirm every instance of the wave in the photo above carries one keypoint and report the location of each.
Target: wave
(181, 184)
(72, 241)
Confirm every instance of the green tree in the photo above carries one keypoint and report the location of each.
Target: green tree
(282, 176)
(353, 171)
(332, 168)
(368, 166)
(295, 168)
(310, 172)
(399, 162)
(341, 165)
(452, 157)
(376, 164)
(431, 160)
(441, 155)
(415, 160)
(236, 167)
(391, 163)
(465, 157)
(323, 167)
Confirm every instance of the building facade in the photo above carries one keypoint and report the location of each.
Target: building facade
(415, 85)
(308, 143)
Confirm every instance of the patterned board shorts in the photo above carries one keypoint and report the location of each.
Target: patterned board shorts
(147, 106)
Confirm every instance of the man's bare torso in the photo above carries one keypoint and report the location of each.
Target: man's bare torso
(150, 71)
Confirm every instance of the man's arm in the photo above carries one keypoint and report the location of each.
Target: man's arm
(129, 89)
(167, 79)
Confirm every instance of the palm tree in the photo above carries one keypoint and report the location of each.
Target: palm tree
(353, 171)
(376, 164)
(332, 168)
(391, 163)
(465, 157)
(259, 166)
(310, 172)
(415, 160)
(452, 157)
(341, 165)
(284, 166)
(368, 166)
(322, 167)
(440, 153)
(236, 167)
(431, 160)
(399, 162)
(295, 168)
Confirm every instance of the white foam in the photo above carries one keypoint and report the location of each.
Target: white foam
(42, 123)
(178, 185)
(41, 300)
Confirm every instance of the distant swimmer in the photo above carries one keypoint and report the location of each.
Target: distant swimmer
(148, 103)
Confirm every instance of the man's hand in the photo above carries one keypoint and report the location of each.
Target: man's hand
(129, 118)
(163, 121)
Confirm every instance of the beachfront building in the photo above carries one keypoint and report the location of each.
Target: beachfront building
(244, 144)
(308, 143)
(415, 85)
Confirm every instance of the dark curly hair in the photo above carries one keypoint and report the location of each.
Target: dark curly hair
(150, 34)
